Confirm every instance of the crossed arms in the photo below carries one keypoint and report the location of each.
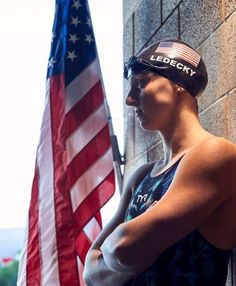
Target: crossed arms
(204, 181)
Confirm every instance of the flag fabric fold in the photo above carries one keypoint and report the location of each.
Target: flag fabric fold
(74, 174)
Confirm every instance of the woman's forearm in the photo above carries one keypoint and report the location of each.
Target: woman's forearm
(97, 273)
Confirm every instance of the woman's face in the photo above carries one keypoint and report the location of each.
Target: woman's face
(154, 98)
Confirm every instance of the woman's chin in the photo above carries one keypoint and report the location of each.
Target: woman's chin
(147, 127)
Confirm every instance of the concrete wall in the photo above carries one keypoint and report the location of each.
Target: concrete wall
(210, 27)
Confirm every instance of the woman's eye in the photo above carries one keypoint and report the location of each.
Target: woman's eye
(140, 83)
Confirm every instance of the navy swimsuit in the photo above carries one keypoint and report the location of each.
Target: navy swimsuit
(192, 261)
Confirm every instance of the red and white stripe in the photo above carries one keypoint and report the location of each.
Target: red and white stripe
(181, 51)
(74, 178)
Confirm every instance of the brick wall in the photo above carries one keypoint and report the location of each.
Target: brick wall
(210, 27)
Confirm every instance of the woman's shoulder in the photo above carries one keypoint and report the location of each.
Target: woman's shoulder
(215, 149)
(138, 175)
(211, 159)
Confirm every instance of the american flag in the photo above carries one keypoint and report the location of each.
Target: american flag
(179, 50)
(74, 175)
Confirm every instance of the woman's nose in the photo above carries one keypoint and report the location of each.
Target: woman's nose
(131, 99)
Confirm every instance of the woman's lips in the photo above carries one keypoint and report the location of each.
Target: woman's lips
(139, 113)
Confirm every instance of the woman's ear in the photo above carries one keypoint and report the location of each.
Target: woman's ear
(179, 88)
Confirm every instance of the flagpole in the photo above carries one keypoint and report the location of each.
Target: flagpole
(116, 152)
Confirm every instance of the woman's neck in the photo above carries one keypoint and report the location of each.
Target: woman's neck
(181, 136)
